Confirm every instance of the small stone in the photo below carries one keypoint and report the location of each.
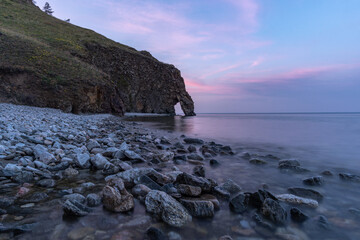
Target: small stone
(82, 160)
(92, 144)
(99, 161)
(306, 193)
(71, 172)
(349, 177)
(166, 156)
(140, 190)
(193, 141)
(192, 148)
(46, 183)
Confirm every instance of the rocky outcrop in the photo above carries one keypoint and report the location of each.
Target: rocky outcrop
(78, 70)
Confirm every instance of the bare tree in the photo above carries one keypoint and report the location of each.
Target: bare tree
(47, 9)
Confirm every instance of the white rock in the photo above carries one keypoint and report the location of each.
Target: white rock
(290, 198)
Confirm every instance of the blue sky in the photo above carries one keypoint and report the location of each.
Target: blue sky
(242, 55)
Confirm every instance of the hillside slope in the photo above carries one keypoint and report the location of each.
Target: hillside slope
(47, 62)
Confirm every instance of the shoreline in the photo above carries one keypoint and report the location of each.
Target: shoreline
(79, 166)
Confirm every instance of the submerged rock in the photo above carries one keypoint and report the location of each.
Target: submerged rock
(170, 210)
(116, 198)
(188, 190)
(349, 177)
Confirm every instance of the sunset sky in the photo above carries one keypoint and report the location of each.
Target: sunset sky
(241, 55)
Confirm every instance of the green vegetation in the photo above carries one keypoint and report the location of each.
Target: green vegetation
(49, 48)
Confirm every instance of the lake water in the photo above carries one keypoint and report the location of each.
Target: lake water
(327, 140)
(318, 141)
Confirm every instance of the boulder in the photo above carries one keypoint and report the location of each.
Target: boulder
(306, 193)
(188, 190)
(198, 208)
(170, 210)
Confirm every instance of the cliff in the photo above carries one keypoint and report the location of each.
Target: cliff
(47, 62)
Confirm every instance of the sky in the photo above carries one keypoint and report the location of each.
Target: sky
(241, 55)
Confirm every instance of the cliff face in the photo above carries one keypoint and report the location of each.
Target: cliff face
(49, 63)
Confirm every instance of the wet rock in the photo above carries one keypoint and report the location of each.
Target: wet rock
(349, 177)
(117, 201)
(290, 198)
(322, 222)
(75, 197)
(193, 141)
(42, 154)
(166, 156)
(46, 183)
(239, 203)
(195, 156)
(292, 165)
(314, 181)
(306, 193)
(192, 148)
(82, 160)
(74, 208)
(274, 211)
(327, 173)
(230, 186)
(71, 172)
(246, 155)
(198, 208)
(297, 215)
(130, 175)
(99, 161)
(170, 211)
(18, 229)
(140, 190)
(23, 177)
(58, 167)
(256, 161)
(133, 155)
(147, 181)
(6, 202)
(93, 200)
(92, 144)
(155, 234)
(199, 171)
(201, 182)
(189, 190)
(37, 197)
(214, 163)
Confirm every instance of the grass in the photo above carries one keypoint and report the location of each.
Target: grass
(49, 48)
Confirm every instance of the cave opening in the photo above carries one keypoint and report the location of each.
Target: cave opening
(178, 110)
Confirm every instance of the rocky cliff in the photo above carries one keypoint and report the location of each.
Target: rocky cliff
(47, 62)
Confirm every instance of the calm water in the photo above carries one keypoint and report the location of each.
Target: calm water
(329, 140)
(319, 141)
